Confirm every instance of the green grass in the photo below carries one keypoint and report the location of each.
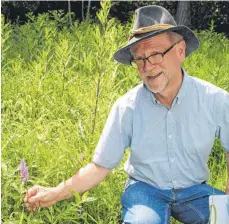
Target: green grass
(58, 86)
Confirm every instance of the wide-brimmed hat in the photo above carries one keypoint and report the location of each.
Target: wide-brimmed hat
(149, 22)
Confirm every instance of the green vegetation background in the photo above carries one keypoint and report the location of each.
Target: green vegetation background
(58, 86)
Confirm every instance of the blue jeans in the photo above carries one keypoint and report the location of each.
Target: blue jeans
(145, 204)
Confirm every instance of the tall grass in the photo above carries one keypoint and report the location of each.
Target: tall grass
(58, 86)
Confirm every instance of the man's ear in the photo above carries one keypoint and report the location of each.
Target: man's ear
(182, 51)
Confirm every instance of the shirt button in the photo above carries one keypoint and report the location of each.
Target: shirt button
(170, 136)
(172, 160)
(169, 113)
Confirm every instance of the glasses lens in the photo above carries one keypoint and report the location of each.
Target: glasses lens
(155, 59)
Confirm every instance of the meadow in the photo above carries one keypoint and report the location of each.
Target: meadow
(58, 86)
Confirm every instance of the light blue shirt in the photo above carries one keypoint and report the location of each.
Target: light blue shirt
(169, 148)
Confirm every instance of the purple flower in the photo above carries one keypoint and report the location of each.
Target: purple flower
(24, 171)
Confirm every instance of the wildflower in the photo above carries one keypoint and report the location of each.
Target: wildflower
(24, 171)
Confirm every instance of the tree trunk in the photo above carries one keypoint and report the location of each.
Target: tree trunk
(70, 15)
(82, 9)
(88, 8)
(183, 13)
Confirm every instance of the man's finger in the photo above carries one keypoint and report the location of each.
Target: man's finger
(29, 207)
(38, 197)
(31, 192)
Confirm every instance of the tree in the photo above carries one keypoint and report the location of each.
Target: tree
(70, 11)
(82, 9)
(183, 14)
(88, 8)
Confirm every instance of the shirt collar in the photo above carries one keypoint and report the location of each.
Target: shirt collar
(183, 89)
(180, 94)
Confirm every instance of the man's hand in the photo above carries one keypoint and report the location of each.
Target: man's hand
(38, 196)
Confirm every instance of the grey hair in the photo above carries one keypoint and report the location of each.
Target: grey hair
(174, 37)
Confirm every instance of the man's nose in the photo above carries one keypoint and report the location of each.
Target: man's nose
(148, 66)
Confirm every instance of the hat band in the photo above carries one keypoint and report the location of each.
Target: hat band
(149, 29)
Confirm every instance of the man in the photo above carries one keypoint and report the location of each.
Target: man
(169, 122)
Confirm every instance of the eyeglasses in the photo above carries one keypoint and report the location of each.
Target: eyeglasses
(153, 59)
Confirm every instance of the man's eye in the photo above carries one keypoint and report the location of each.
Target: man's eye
(139, 58)
(155, 53)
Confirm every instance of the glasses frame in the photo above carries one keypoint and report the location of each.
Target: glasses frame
(133, 60)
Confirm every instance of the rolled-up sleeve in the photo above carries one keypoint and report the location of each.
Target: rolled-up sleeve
(115, 137)
(223, 119)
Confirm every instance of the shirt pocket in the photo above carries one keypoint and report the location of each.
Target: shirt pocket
(149, 147)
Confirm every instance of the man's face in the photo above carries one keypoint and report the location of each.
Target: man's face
(159, 77)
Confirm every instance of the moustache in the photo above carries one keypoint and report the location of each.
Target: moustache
(152, 74)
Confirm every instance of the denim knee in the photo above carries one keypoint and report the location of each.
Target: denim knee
(141, 214)
(140, 205)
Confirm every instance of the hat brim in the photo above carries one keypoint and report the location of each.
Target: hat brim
(124, 56)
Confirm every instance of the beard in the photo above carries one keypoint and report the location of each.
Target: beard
(156, 83)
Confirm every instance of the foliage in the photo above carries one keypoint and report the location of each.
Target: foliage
(202, 12)
(58, 87)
